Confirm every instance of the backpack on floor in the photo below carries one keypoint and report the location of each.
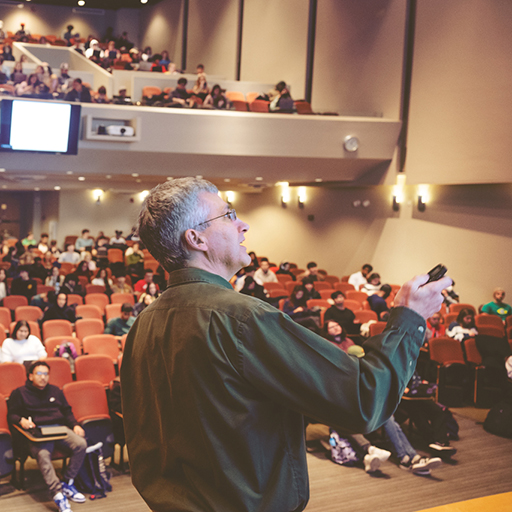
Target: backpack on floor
(499, 419)
(93, 477)
(341, 450)
(452, 427)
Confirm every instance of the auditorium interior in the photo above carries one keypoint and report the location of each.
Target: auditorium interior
(422, 86)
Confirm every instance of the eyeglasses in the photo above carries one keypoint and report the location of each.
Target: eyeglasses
(40, 374)
(230, 214)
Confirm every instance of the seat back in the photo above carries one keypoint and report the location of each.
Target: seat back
(353, 305)
(6, 455)
(105, 344)
(321, 303)
(43, 288)
(490, 330)
(354, 295)
(28, 313)
(98, 299)
(320, 285)
(303, 107)
(344, 287)
(96, 367)
(235, 96)
(4, 424)
(121, 298)
(115, 255)
(89, 311)
(57, 328)
(3, 335)
(74, 298)
(151, 90)
(472, 353)
(5, 316)
(60, 371)
(259, 106)
(13, 301)
(112, 311)
(12, 376)
(273, 286)
(88, 327)
(449, 318)
(488, 320)
(332, 280)
(377, 328)
(54, 341)
(284, 278)
(445, 350)
(240, 106)
(455, 308)
(326, 293)
(94, 288)
(365, 315)
(123, 340)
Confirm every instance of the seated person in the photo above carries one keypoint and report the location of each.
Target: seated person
(450, 297)
(78, 92)
(216, 99)
(140, 286)
(378, 302)
(435, 326)
(43, 243)
(84, 242)
(22, 346)
(264, 274)
(372, 285)
(157, 67)
(180, 95)
(121, 286)
(39, 403)
(121, 325)
(101, 95)
(282, 103)
(59, 309)
(284, 268)
(342, 315)
(309, 289)
(144, 301)
(70, 255)
(23, 285)
(242, 275)
(252, 288)
(311, 273)
(102, 279)
(71, 285)
(38, 270)
(464, 327)
(358, 279)
(498, 306)
(83, 270)
(201, 89)
(296, 307)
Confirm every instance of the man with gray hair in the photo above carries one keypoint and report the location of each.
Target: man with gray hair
(216, 383)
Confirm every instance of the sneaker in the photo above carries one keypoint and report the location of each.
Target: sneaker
(62, 502)
(383, 455)
(405, 463)
(424, 465)
(371, 463)
(71, 492)
(443, 449)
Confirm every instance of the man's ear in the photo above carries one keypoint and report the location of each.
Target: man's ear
(196, 240)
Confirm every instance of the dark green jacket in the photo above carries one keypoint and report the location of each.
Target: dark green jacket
(215, 384)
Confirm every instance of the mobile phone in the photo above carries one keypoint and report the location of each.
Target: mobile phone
(437, 273)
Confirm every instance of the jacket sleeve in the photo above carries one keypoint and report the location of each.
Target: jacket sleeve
(308, 374)
(15, 408)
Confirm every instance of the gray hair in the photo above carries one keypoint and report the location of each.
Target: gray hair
(168, 211)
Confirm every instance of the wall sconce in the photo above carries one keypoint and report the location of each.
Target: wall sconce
(97, 194)
(285, 193)
(423, 197)
(302, 196)
(143, 195)
(398, 192)
(230, 196)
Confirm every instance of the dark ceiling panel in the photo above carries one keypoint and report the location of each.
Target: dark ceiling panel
(97, 4)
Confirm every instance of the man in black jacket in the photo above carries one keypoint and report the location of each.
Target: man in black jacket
(36, 404)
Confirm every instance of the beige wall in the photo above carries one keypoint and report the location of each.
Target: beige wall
(274, 42)
(161, 28)
(461, 118)
(212, 28)
(358, 57)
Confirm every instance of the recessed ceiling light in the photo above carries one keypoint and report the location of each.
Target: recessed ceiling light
(169, 178)
(81, 178)
(69, 172)
(108, 176)
(56, 187)
(4, 186)
(259, 178)
(81, 3)
(199, 176)
(20, 6)
(37, 189)
(2, 170)
(319, 180)
(227, 180)
(143, 1)
(138, 181)
(135, 174)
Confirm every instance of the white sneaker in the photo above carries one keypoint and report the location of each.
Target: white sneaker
(424, 465)
(371, 463)
(383, 455)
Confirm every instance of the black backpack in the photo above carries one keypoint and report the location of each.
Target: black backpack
(499, 419)
(93, 477)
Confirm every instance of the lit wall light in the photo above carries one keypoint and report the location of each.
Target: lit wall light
(230, 196)
(398, 192)
(143, 195)
(97, 195)
(81, 3)
(285, 193)
(423, 197)
(302, 196)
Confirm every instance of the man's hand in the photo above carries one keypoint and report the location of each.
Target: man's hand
(79, 431)
(27, 424)
(425, 300)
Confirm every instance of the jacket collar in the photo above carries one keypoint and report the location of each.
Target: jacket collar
(196, 275)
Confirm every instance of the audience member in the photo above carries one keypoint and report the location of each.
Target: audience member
(378, 302)
(450, 297)
(156, 67)
(165, 60)
(118, 240)
(284, 268)
(121, 286)
(7, 53)
(84, 242)
(216, 99)
(78, 92)
(123, 41)
(54, 249)
(296, 307)
(121, 325)
(38, 270)
(21, 34)
(276, 91)
(48, 260)
(141, 286)
(358, 279)
(435, 326)
(70, 255)
(94, 52)
(252, 288)
(38, 403)
(83, 270)
(43, 243)
(55, 279)
(71, 285)
(102, 279)
(464, 327)
(147, 53)
(372, 285)
(22, 346)
(101, 96)
(2, 32)
(4, 288)
(68, 35)
(283, 102)
(180, 95)
(498, 306)
(201, 89)
(264, 274)
(23, 285)
(309, 289)
(342, 315)
(311, 273)
(59, 309)
(87, 258)
(29, 240)
(144, 301)
(254, 260)
(17, 75)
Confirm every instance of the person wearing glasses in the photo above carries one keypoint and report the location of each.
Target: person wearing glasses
(216, 383)
(39, 403)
